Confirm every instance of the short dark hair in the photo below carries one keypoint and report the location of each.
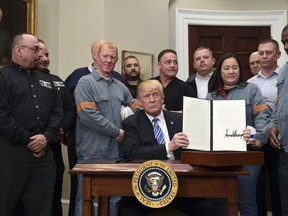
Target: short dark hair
(270, 40)
(129, 57)
(203, 48)
(163, 52)
(285, 28)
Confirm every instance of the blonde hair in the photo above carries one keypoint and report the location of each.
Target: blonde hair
(109, 45)
(153, 84)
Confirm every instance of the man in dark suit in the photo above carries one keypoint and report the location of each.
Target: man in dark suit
(139, 142)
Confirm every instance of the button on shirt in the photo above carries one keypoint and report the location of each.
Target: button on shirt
(162, 124)
(267, 86)
(202, 85)
(30, 103)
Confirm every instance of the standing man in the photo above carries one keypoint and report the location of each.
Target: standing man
(74, 77)
(174, 88)
(279, 127)
(63, 133)
(131, 72)
(203, 63)
(254, 63)
(30, 115)
(65, 127)
(98, 98)
(140, 142)
(266, 80)
(71, 82)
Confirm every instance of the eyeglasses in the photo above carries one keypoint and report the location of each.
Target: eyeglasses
(35, 49)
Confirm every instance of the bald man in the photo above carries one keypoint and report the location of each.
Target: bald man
(254, 63)
(30, 116)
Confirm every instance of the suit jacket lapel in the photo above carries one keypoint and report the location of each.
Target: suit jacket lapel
(170, 124)
(147, 127)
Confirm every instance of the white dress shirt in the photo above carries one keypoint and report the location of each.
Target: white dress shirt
(162, 124)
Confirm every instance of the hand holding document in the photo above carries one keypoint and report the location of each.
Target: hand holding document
(214, 125)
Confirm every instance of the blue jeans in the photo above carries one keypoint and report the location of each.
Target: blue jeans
(283, 181)
(247, 191)
(113, 201)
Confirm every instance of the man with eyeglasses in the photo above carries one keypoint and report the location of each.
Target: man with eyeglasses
(98, 98)
(141, 142)
(30, 115)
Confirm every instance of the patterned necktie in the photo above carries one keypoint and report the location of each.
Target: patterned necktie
(158, 132)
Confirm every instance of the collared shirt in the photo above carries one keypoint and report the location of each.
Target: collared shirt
(257, 115)
(72, 80)
(280, 114)
(162, 124)
(267, 86)
(98, 106)
(174, 93)
(202, 85)
(29, 105)
(66, 99)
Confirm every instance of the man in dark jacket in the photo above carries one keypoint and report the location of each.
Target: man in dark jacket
(142, 140)
(30, 116)
(203, 63)
(69, 111)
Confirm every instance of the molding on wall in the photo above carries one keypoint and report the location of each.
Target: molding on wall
(277, 19)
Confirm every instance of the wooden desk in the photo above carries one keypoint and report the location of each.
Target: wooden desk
(106, 180)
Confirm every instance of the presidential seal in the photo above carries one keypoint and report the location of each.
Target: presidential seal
(155, 184)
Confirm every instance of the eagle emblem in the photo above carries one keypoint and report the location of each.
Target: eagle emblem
(154, 182)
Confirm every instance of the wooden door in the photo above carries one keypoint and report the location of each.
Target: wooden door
(242, 40)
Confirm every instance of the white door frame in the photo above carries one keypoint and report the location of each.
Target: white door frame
(276, 19)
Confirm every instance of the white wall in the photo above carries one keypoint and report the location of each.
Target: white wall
(70, 26)
(47, 16)
(73, 25)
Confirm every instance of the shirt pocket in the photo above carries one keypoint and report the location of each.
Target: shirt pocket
(280, 84)
(102, 104)
(120, 99)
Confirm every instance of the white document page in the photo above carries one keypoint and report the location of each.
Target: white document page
(229, 121)
(197, 123)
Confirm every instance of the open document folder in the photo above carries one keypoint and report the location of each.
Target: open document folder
(214, 125)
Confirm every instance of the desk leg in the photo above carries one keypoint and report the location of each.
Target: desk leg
(104, 205)
(232, 197)
(87, 203)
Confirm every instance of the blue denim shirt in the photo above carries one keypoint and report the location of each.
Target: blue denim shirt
(280, 114)
(98, 107)
(253, 97)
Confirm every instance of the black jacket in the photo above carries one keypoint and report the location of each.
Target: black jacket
(139, 141)
(29, 105)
